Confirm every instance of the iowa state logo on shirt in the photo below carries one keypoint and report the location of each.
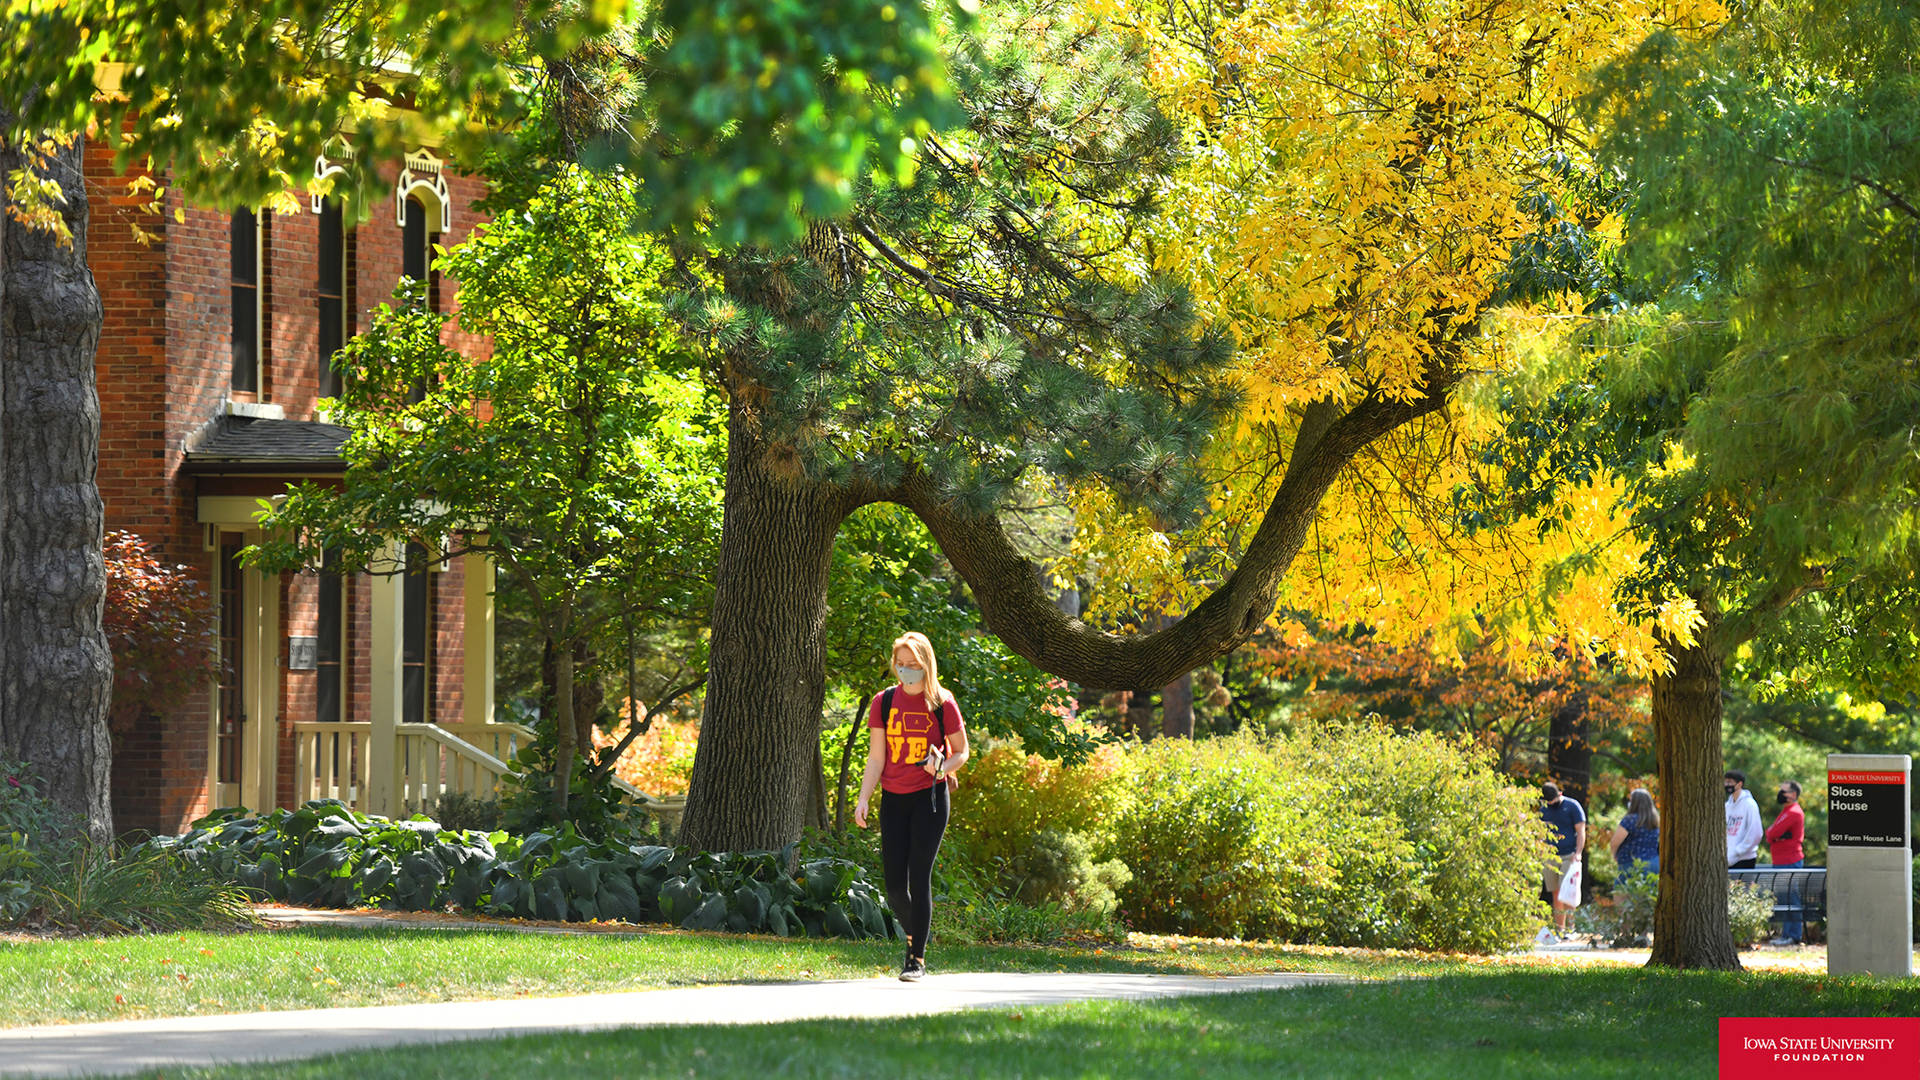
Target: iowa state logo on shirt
(908, 735)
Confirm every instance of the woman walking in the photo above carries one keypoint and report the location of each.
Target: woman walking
(920, 742)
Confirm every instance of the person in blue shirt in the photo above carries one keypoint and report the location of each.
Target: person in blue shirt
(1568, 823)
(1636, 840)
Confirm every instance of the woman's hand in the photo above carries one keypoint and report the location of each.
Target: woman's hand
(935, 758)
(860, 811)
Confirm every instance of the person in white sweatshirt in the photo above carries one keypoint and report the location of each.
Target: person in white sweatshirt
(1743, 823)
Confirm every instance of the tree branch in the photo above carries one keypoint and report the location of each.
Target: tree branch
(1020, 614)
(611, 756)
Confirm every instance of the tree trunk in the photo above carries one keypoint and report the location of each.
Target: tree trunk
(819, 787)
(56, 674)
(565, 737)
(1690, 920)
(1176, 708)
(1569, 755)
(1570, 763)
(846, 762)
(765, 682)
(1176, 700)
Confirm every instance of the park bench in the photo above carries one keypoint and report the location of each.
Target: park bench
(1799, 890)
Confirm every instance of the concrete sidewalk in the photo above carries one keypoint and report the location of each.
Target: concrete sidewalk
(133, 1045)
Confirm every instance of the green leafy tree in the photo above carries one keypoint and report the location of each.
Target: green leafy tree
(574, 453)
(743, 111)
(1761, 403)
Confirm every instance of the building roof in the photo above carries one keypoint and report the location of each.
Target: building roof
(251, 444)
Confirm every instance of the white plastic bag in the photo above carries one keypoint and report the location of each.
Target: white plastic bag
(1569, 894)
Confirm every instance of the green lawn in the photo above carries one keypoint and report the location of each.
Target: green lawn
(1496, 1022)
(317, 967)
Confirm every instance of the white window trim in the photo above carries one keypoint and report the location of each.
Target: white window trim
(330, 163)
(423, 174)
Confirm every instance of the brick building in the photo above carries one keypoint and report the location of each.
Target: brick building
(212, 359)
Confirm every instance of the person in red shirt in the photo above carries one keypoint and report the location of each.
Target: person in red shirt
(919, 739)
(1784, 845)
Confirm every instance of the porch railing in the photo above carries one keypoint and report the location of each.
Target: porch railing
(502, 739)
(331, 761)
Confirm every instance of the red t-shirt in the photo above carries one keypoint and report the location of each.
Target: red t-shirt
(1783, 840)
(908, 733)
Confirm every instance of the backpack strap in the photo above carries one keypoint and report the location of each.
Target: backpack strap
(886, 705)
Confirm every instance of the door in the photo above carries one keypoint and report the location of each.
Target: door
(230, 716)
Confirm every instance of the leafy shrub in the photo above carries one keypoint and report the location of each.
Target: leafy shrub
(160, 626)
(1216, 841)
(1438, 849)
(969, 909)
(595, 807)
(1749, 911)
(1630, 917)
(17, 865)
(862, 848)
(51, 876)
(28, 817)
(327, 855)
(1058, 868)
(103, 888)
(460, 811)
(1007, 797)
(1351, 835)
(659, 762)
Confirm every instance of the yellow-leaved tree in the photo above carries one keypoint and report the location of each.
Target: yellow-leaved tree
(1386, 204)
(1383, 203)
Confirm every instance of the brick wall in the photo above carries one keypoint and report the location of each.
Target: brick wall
(164, 371)
(293, 316)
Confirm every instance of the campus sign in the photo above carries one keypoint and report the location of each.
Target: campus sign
(1869, 864)
(1866, 808)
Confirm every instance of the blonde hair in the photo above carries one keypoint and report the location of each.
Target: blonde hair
(922, 651)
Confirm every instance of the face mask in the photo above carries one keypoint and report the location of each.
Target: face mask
(1781, 797)
(909, 676)
(1729, 788)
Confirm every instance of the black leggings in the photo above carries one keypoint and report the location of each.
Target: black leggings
(910, 831)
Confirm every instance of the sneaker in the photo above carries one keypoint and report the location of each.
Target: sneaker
(913, 970)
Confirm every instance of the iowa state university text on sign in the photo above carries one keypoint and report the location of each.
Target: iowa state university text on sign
(1866, 809)
(1819, 1047)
